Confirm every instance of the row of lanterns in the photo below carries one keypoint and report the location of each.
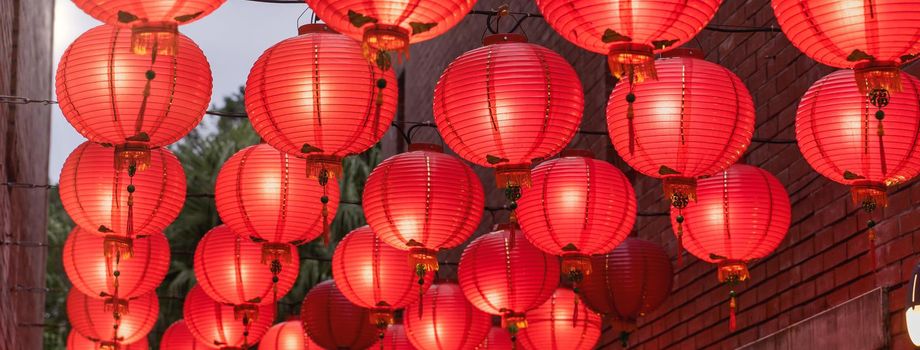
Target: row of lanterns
(135, 85)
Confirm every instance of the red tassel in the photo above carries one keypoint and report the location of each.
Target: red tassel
(575, 312)
(732, 321)
(872, 254)
(680, 245)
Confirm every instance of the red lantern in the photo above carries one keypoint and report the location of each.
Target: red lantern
(874, 37)
(95, 194)
(95, 319)
(288, 335)
(629, 32)
(154, 23)
(627, 283)
(498, 339)
(75, 341)
(446, 321)
(315, 96)
(94, 275)
(390, 25)
(553, 326)
(216, 323)
(741, 214)
(373, 275)
(178, 337)
(395, 339)
(503, 274)
(132, 102)
(577, 207)
(230, 270)
(261, 195)
(507, 104)
(333, 322)
(422, 201)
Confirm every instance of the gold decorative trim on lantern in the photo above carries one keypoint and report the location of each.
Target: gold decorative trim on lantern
(512, 175)
(159, 37)
(733, 271)
(635, 62)
(136, 153)
(317, 162)
(872, 75)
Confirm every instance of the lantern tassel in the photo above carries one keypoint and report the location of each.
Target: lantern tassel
(324, 181)
(420, 271)
(276, 270)
(624, 339)
(680, 237)
(732, 319)
(872, 254)
(630, 99)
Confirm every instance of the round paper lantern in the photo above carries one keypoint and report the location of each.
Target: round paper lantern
(264, 195)
(445, 320)
(507, 104)
(395, 339)
(178, 337)
(218, 324)
(95, 319)
(627, 283)
(498, 339)
(630, 33)
(315, 96)
(75, 341)
(98, 197)
(132, 102)
(154, 23)
(422, 201)
(230, 270)
(501, 273)
(554, 326)
(288, 335)
(578, 206)
(741, 214)
(333, 322)
(94, 275)
(373, 275)
(874, 37)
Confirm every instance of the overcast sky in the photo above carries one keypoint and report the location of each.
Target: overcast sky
(232, 38)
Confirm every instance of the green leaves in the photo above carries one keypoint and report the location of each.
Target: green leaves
(359, 20)
(611, 35)
(418, 27)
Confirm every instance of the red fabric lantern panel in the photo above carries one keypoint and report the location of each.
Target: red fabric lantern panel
(395, 339)
(553, 325)
(506, 104)
(503, 274)
(578, 206)
(423, 200)
(316, 96)
(333, 322)
(498, 339)
(213, 322)
(133, 102)
(93, 318)
(288, 335)
(92, 273)
(178, 337)
(629, 32)
(230, 269)
(446, 320)
(75, 341)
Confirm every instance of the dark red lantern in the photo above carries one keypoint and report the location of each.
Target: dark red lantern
(178, 337)
(446, 320)
(422, 201)
(873, 37)
(315, 96)
(627, 283)
(94, 275)
(395, 339)
(288, 335)
(220, 325)
(498, 339)
(75, 341)
(503, 274)
(630, 33)
(95, 319)
(507, 104)
(333, 322)
(132, 102)
(553, 325)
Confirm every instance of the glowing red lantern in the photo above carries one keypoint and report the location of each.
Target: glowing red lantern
(373, 275)
(422, 201)
(315, 96)
(94, 319)
(132, 102)
(99, 198)
(288, 335)
(498, 339)
(741, 214)
(333, 322)
(94, 275)
(216, 323)
(503, 274)
(630, 33)
(178, 337)
(446, 320)
(507, 104)
(578, 206)
(875, 38)
(554, 326)
(394, 339)
(75, 341)
(627, 283)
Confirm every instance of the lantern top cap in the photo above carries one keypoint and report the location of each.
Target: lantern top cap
(684, 52)
(504, 38)
(583, 153)
(426, 147)
(314, 28)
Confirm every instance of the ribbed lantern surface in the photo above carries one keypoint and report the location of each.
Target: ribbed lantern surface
(117, 12)
(507, 104)
(554, 326)
(498, 339)
(333, 322)
(395, 339)
(316, 96)
(178, 337)
(90, 272)
(75, 341)
(287, 335)
(213, 322)
(447, 320)
(230, 269)
(94, 320)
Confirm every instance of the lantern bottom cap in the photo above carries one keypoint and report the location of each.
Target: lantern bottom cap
(512, 175)
(878, 75)
(733, 271)
(161, 38)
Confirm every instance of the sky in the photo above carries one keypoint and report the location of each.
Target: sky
(232, 38)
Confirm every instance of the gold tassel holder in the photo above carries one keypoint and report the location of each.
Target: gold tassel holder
(632, 61)
(381, 316)
(132, 153)
(246, 312)
(385, 38)
(421, 257)
(869, 191)
(871, 75)
(116, 305)
(512, 175)
(276, 251)
(120, 247)
(735, 270)
(160, 36)
(317, 162)
(679, 187)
